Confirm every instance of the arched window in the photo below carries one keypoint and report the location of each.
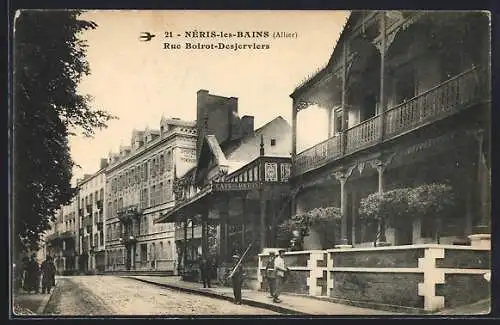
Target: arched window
(161, 253)
(169, 250)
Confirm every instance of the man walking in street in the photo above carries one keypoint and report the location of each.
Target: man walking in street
(281, 269)
(271, 274)
(48, 275)
(205, 272)
(237, 279)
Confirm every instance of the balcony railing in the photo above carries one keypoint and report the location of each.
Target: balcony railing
(320, 154)
(447, 98)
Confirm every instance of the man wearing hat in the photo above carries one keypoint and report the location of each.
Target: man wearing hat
(279, 266)
(237, 279)
(271, 273)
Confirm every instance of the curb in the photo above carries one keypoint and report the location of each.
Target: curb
(373, 305)
(249, 302)
(46, 300)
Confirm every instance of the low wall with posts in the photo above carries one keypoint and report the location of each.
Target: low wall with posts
(429, 277)
(308, 272)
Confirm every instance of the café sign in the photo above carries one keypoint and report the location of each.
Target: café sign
(230, 186)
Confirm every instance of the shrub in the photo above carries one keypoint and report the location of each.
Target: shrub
(433, 201)
(324, 221)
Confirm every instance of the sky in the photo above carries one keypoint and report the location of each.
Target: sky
(139, 82)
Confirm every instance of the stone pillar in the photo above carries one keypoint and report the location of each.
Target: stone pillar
(342, 177)
(263, 228)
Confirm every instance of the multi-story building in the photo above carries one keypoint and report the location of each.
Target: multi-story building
(408, 99)
(139, 183)
(60, 241)
(91, 232)
(237, 191)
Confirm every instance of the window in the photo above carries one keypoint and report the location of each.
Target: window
(162, 164)
(337, 121)
(169, 253)
(273, 142)
(168, 191)
(161, 197)
(101, 237)
(153, 196)
(168, 160)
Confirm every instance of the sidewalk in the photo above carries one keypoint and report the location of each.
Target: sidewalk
(291, 304)
(30, 304)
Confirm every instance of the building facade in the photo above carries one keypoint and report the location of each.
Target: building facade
(237, 190)
(408, 99)
(91, 209)
(139, 183)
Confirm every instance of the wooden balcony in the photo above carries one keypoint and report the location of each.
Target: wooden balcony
(460, 92)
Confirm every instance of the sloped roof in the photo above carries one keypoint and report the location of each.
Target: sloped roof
(216, 150)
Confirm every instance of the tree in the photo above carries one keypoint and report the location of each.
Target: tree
(49, 62)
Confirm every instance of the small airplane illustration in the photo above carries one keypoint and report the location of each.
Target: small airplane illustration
(146, 36)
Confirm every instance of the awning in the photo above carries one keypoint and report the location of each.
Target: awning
(188, 207)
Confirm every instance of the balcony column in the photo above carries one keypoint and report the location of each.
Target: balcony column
(243, 223)
(262, 198)
(294, 129)
(204, 234)
(380, 166)
(382, 74)
(342, 177)
(224, 218)
(481, 236)
(184, 248)
(343, 97)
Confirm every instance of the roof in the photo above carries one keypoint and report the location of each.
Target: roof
(212, 142)
(353, 16)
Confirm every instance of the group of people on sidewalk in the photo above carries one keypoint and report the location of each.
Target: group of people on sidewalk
(276, 273)
(30, 272)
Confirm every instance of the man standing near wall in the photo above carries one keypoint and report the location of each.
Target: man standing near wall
(281, 269)
(271, 274)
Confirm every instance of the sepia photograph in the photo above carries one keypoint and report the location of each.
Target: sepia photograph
(247, 163)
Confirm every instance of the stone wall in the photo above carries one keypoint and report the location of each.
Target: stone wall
(430, 277)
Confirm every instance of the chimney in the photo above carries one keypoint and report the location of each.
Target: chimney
(247, 125)
(104, 163)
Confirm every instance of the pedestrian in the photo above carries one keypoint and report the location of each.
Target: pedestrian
(205, 271)
(271, 274)
(48, 274)
(237, 278)
(24, 273)
(33, 275)
(281, 270)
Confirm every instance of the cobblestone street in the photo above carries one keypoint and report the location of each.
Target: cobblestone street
(110, 295)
